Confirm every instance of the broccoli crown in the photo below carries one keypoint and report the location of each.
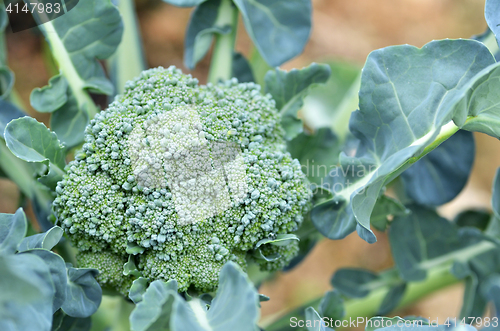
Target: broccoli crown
(185, 178)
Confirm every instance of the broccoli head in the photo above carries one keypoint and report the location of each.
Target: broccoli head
(180, 178)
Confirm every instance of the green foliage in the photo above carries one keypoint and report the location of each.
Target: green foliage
(205, 21)
(279, 29)
(31, 141)
(234, 307)
(440, 176)
(409, 118)
(288, 90)
(36, 281)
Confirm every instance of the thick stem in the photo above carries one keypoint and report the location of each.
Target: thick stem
(221, 67)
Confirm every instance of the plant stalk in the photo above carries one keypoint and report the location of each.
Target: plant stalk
(221, 66)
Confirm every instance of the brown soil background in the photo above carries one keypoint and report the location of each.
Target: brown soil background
(342, 29)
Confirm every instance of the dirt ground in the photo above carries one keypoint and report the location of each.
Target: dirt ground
(342, 29)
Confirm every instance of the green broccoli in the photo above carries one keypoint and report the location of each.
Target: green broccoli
(185, 178)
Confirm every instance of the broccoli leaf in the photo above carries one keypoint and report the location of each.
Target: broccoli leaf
(408, 99)
(317, 153)
(90, 32)
(354, 282)
(63, 322)
(241, 69)
(234, 307)
(416, 248)
(314, 322)
(31, 141)
(203, 24)
(57, 269)
(153, 312)
(279, 29)
(440, 176)
(26, 289)
(83, 292)
(495, 199)
(491, 10)
(12, 230)
(46, 240)
(6, 81)
(385, 207)
(51, 97)
(332, 305)
(184, 3)
(138, 289)
(288, 89)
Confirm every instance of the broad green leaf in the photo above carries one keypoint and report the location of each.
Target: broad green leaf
(331, 104)
(407, 101)
(138, 289)
(51, 97)
(279, 29)
(83, 292)
(6, 81)
(495, 199)
(416, 248)
(332, 305)
(318, 153)
(491, 290)
(46, 240)
(63, 322)
(235, 306)
(31, 141)
(89, 32)
(288, 89)
(392, 299)
(69, 122)
(12, 231)
(153, 312)
(241, 69)
(280, 240)
(480, 103)
(184, 3)
(206, 20)
(474, 304)
(26, 290)
(57, 269)
(8, 112)
(441, 175)
(128, 61)
(385, 207)
(314, 322)
(355, 282)
(491, 10)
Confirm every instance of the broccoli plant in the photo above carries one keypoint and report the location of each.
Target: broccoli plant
(168, 208)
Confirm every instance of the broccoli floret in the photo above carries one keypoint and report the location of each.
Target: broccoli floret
(185, 176)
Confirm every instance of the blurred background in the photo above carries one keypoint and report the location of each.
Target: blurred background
(344, 32)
